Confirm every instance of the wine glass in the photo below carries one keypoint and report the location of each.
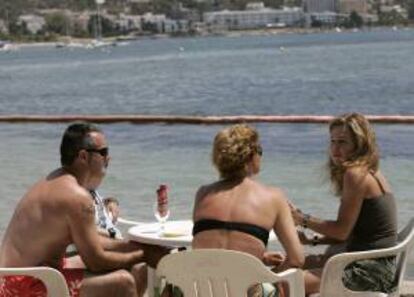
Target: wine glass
(161, 213)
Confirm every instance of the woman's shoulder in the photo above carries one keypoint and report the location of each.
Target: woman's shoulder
(356, 173)
(358, 179)
(206, 188)
(274, 193)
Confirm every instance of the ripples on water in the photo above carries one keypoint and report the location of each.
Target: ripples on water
(313, 74)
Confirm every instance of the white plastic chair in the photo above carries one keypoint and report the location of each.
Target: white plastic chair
(331, 282)
(219, 273)
(54, 281)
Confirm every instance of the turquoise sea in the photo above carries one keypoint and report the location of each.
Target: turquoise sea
(327, 73)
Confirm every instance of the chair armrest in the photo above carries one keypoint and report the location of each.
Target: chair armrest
(296, 281)
(53, 280)
(332, 273)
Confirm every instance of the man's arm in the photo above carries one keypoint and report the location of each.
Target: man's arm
(152, 253)
(81, 219)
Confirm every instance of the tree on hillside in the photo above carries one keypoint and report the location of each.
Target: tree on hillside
(58, 23)
(391, 18)
(108, 29)
(19, 29)
(410, 8)
(355, 20)
(11, 9)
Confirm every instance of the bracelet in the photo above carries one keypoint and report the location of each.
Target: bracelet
(305, 220)
(315, 240)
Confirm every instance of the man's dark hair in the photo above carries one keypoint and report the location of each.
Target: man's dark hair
(75, 138)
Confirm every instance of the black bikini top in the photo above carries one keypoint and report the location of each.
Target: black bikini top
(210, 224)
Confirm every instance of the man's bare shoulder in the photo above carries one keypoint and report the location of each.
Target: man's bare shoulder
(65, 188)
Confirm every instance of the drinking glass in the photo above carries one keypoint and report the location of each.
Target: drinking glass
(161, 217)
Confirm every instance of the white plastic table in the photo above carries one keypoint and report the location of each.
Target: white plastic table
(175, 233)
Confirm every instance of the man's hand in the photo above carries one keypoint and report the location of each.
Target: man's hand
(154, 253)
(273, 258)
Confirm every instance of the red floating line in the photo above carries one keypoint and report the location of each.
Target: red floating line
(195, 120)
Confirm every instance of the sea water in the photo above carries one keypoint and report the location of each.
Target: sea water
(331, 73)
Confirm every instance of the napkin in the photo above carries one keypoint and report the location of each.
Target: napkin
(173, 233)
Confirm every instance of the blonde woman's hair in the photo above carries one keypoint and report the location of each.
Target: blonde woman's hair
(233, 148)
(366, 149)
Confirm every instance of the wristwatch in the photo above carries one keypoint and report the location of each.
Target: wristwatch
(112, 232)
(315, 240)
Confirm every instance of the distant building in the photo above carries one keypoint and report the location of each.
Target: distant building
(128, 22)
(253, 19)
(166, 25)
(362, 7)
(311, 6)
(34, 23)
(82, 20)
(156, 19)
(175, 26)
(326, 18)
(395, 8)
(255, 6)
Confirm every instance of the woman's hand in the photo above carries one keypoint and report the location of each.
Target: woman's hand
(296, 214)
(303, 238)
(273, 258)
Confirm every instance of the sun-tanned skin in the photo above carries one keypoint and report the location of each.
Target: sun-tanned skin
(357, 186)
(244, 199)
(58, 211)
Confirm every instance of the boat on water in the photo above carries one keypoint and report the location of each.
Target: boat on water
(6, 46)
(95, 43)
(98, 42)
(70, 44)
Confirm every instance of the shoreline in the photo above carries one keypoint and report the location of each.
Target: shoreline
(230, 34)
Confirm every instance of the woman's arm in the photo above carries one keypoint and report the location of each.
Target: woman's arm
(316, 239)
(354, 191)
(285, 230)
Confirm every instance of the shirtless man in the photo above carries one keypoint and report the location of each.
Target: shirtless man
(58, 211)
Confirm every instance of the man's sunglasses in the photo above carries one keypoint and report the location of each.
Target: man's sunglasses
(103, 151)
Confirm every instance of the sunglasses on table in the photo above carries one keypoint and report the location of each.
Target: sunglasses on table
(103, 151)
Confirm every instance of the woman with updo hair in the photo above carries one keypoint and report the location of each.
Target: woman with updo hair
(237, 212)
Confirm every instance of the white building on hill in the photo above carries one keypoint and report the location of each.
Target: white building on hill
(34, 23)
(253, 19)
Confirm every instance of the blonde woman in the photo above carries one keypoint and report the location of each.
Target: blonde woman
(366, 217)
(237, 212)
